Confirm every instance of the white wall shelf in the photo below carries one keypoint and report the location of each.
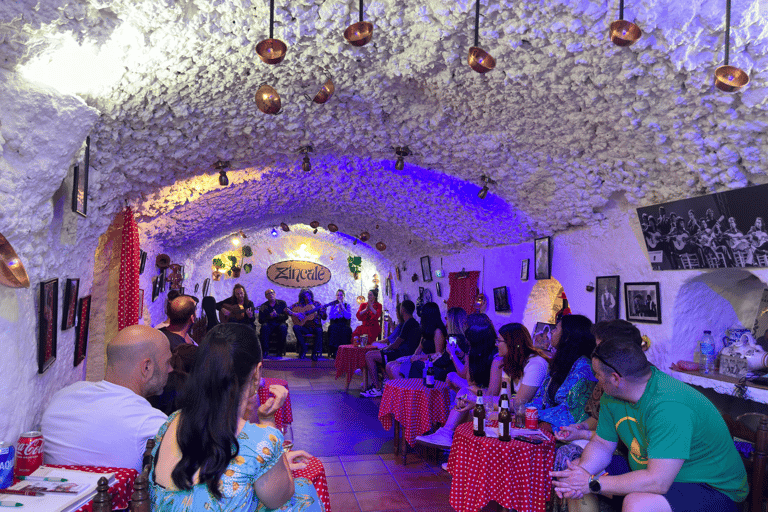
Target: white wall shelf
(722, 384)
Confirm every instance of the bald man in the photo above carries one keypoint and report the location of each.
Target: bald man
(181, 317)
(107, 423)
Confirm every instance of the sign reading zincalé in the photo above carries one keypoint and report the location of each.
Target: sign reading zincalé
(298, 274)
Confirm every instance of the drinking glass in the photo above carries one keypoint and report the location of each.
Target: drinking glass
(519, 415)
(287, 431)
(461, 402)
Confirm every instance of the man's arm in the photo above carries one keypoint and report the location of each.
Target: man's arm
(657, 479)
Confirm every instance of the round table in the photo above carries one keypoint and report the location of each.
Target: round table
(350, 358)
(284, 415)
(413, 407)
(514, 474)
(315, 473)
(120, 490)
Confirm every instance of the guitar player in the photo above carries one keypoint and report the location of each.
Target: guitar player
(312, 323)
(237, 308)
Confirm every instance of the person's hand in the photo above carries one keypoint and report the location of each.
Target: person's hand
(273, 314)
(467, 404)
(249, 312)
(418, 357)
(572, 482)
(225, 312)
(268, 409)
(574, 432)
(297, 459)
(545, 427)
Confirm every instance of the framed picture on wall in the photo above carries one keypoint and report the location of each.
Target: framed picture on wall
(142, 261)
(426, 269)
(206, 286)
(524, 269)
(501, 299)
(607, 298)
(141, 303)
(83, 324)
(643, 302)
(543, 258)
(46, 343)
(80, 183)
(70, 304)
(542, 336)
(438, 289)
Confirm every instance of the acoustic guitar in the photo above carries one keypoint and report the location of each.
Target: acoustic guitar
(309, 311)
(236, 311)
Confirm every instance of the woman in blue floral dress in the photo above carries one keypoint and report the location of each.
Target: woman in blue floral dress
(208, 458)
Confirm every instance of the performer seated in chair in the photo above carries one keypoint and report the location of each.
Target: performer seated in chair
(273, 316)
(308, 319)
(339, 331)
(237, 308)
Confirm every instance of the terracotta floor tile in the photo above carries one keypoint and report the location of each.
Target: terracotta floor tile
(368, 456)
(436, 508)
(373, 483)
(333, 469)
(330, 458)
(344, 502)
(423, 480)
(365, 467)
(382, 500)
(413, 465)
(427, 497)
(338, 484)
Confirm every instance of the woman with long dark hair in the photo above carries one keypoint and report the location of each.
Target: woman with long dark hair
(369, 313)
(563, 394)
(475, 368)
(208, 457)
(518, 363)
(433, 345)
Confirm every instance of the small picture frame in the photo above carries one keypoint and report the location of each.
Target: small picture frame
(524, 269)
(397, 273)
(426, 269)
(46, 343)
(542, 336)
(142, 261)
(155, 288)
(141, 303)
(83, 324)
(643, 302)
(421, 292)
(206, 286)
(607, 298)
(542, 258)
(70, 304)
(501, 299)
(438, 289)
(80, 183)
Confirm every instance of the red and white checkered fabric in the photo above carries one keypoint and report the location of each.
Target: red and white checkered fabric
(350, 358)
(415, 406)
(315, 473)
(514, 474)
(121, 490)
(284, 415)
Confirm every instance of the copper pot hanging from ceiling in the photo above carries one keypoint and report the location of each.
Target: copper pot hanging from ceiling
(360, 33)
(729, 78)
(333, 228)
(314, 224)
(623, 32)
(478, 59)
(381, 246)
(271, 51)
(268, 100)
(364, 236)
(325, 92)
(284, 227)
(12, 272)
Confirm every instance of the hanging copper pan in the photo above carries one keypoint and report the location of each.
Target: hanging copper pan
(12, 271)
(624, 33)
(268, 100)
(325, 93)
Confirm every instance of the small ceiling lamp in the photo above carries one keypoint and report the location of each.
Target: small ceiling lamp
(333, 228)
(325, 93)
(622, 32)
(729, 78)
(235, 241)
(381, 246)
(360, 33)
(306, 165)
(221, 166)
(268, 100)
(274, 232)
(364, 236)
(271, 51)
(486, 181)
(284, 227)
(478, 59)
(401, 152)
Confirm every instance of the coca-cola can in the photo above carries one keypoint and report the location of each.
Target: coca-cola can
(531, 417)
(6, 464)
(29, 453)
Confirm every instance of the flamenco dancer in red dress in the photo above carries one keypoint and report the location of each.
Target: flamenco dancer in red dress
(370, 314)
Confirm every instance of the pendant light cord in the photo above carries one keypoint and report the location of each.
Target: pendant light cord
(727, 30)
(621, 9)
(361, 11)
(271, 18)
(477, 20)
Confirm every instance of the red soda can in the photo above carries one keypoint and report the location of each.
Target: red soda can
(531, 417)
(29, 453)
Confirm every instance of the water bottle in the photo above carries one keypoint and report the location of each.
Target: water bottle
(708, 352)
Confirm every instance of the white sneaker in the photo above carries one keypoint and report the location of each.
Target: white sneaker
(444, 465)
(442, 438)
(371, 393)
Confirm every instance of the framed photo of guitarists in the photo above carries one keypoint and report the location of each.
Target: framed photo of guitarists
(726, 229)
(643, 302)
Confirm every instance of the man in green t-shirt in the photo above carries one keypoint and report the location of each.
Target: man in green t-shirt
(681, 454)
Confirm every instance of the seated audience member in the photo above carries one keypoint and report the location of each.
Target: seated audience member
(107, 423)
(433, 345)
(481, 342)
(394, 334)
(455, 325)
(172, 294)
(209, 457)
(563, 394)
(238, 308)
(181, 317)
(312, 326)
(339, 330)
(681, 454)
(404, 345)
(209, 310)
(273, 317)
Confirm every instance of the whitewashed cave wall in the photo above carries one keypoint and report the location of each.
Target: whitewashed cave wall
(41, 135)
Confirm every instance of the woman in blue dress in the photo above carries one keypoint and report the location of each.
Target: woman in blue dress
(208, 458)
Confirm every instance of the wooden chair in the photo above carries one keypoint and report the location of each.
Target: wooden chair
(102, 502)
(756, 464)
(140, 497)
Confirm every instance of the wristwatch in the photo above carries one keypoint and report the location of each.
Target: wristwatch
(594, 484)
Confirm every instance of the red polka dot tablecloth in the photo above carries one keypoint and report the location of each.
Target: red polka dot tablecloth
(350, 358)
(315, 473)
(120, 491)
(415, 406)
(284, 415)
(514, 474)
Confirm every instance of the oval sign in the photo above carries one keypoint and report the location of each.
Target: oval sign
(298, 274)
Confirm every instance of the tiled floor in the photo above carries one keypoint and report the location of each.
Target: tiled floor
(342, 429)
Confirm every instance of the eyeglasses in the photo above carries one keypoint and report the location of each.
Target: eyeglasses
(600, 358)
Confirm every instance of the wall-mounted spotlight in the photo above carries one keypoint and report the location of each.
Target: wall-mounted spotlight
(306, 165)
(221, 166)
(486, 181)
(401, 152)
(274, 232)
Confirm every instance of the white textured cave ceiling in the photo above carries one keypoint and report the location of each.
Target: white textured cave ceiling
(565, 121)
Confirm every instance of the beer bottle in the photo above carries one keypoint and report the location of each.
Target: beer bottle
(504, 416)
(429, 378)
(479, 415)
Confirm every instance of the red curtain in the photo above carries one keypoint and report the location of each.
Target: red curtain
(463, 290)
(128, 302)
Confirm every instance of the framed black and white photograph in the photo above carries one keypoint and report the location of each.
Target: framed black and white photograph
(426, 269)
(643, 302)
(543, 256)
(607, 298)
(524, 269)
(80, 183)
(69, 311)
(48, 324)
(501, 299)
